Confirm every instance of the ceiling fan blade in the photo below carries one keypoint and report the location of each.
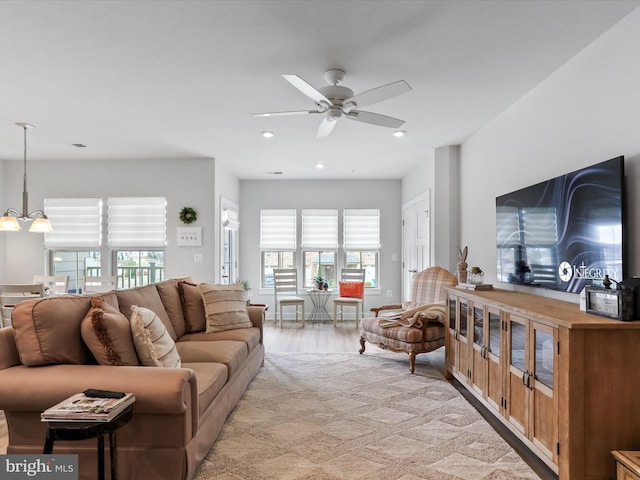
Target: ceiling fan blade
(379, 94)
(326, 126)
(374, 119)
(294, 112)
(306, 88)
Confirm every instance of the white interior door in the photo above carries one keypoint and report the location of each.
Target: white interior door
(229, 242)
(416, 234)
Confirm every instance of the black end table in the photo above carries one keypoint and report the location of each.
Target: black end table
(84, 430)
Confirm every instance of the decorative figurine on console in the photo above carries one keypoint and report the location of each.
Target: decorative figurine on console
(462, 265)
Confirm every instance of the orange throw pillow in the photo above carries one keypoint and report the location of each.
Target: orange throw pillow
(352, 289)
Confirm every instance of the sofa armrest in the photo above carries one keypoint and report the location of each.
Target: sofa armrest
(9, 356)
(257, 316)
(394, 306)
(163, 391)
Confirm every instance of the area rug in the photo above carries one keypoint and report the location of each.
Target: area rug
(349, 416)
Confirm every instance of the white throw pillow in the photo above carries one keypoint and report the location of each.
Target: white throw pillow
(154, 345)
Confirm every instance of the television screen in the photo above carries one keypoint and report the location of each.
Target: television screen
(565, 233)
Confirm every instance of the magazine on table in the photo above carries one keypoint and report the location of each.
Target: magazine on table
(81, 408)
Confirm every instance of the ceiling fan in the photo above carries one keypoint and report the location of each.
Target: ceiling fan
(335, 101)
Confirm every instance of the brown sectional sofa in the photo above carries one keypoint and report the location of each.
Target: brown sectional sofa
(178, 412)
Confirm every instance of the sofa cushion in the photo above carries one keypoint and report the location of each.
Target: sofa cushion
(154, 345)
(250, 336)
(147, 297)
(170, 296)
(230, 353)
(211, 377)
(107, 333)
(192, 307)
(435, 331)
(225, 307)
(47, 330)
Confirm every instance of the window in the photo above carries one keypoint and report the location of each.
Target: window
(272, 260)
(320, 245)
(366, 260)
(277, 242)
(136, 268)
(74, 244)
(137, 236)
(362, 242)
(320, 252)
(319, 263)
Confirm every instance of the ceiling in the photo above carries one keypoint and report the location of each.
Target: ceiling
(180, 79)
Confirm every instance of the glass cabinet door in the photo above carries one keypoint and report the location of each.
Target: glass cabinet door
(518, 345)
(463, 319)
(478, 326)
(544, 357)
(452, 312)
(494, 333)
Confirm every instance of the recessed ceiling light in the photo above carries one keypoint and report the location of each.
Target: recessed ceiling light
(267, 134)
(399, 133)
(319, 165)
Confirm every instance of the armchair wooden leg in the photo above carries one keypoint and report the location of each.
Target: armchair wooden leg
(412, 361)
(362, 345)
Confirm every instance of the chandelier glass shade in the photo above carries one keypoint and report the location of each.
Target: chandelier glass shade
(10, 221)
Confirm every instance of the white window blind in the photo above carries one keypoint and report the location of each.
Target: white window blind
(278, 229)
(137, 222)
(77, 222)
(361, 229)
(320, 229)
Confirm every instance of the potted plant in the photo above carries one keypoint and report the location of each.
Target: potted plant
(246, 288)
(320, 281)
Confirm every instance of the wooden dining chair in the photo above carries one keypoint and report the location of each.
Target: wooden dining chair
(53, 284)
(285, 286)
(12, 294)
(351, 293)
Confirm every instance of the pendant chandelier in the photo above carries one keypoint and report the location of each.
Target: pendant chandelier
(9, 221)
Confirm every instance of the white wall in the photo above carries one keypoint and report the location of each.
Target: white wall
(383, 194)
(184, 182)
(586, 112)
(420, 179)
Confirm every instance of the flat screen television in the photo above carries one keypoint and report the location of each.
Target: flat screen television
(564, 233)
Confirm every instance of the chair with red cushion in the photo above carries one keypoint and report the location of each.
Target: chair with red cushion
(351, 293)
(416, 326)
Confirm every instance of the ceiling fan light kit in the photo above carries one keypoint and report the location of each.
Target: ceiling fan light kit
(335, 101)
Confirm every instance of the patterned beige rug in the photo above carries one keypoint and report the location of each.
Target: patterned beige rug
(350, 416)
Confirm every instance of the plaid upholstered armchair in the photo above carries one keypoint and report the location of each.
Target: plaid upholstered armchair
(416, 326)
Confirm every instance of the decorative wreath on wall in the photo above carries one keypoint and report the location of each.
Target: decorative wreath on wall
(188, 215)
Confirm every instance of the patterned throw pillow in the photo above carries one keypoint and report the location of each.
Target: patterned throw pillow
(225, 307)
(153, 343)
(352, 289)
(107, 333)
